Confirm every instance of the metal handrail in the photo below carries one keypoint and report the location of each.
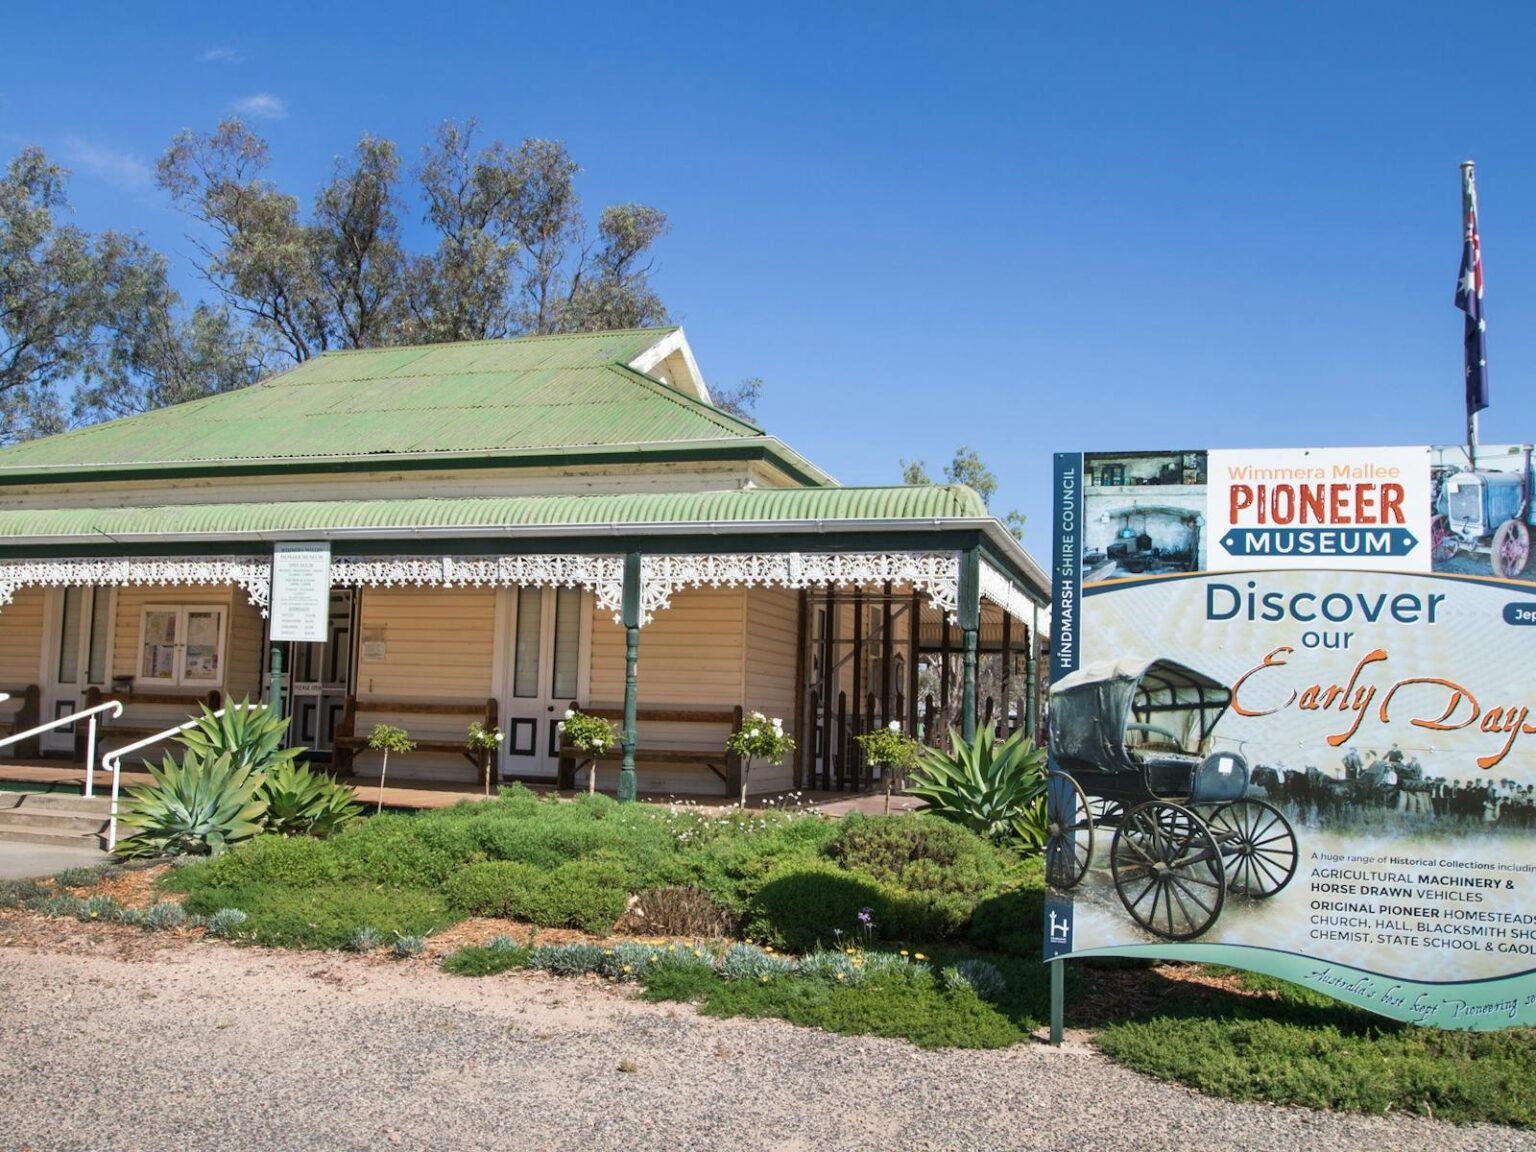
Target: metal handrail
(114, 759)
(115, 706)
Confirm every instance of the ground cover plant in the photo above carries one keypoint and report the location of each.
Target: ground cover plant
(1268, 1040)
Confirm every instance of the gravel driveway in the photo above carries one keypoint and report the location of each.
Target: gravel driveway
(211, 1046)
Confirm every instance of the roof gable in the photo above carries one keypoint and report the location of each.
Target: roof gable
(546, 392)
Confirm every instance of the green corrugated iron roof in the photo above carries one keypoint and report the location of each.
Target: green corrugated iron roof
(477, 514)
(545, 392)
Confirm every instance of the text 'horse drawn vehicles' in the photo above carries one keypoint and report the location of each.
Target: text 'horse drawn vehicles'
(1131, 751)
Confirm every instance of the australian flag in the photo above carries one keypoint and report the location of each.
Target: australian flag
(1469, 298)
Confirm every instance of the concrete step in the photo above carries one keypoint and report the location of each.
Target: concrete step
(55, 820)
(65, 803)
(48, 834)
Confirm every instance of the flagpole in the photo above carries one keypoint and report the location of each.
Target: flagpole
(1468, 214)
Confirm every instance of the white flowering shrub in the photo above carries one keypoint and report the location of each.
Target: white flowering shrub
(758, 738)
(590, 734)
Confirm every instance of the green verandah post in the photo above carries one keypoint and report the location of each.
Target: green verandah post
(969, 611)
(628, 737)
(275, 684)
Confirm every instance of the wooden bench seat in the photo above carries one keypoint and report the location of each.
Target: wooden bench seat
(723, 765)
(21, 712)
(348, 743)
(123, 730)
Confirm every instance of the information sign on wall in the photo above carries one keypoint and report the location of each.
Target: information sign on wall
(301, 591)
(1291, 721)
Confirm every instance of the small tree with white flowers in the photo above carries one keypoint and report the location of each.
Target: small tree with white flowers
(758, 738)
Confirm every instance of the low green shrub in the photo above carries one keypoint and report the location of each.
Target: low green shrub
(18, 893)
(1340, 1059)
(585, 894)
(566, 959)
(818, 905)
(405, 947)
(364, 939)
(328, 916)
(973, 975)
(76, 878)
(99, 908)
(749, 962)
(226, 922)
(921, 853)
(486, 960)
(164, 915)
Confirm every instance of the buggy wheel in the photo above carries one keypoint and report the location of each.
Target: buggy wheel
(1105, 813)
(1168, 870)
(1511, 549)
(1069, 832)
(1258, 847)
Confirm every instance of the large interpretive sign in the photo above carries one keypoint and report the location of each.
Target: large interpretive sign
(1291, 721)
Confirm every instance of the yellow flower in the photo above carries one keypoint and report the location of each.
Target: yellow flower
(769, 948)
(840, 976)
(920, 956)
(765, 979)
(654, 959)
(628, 968)
(903, 951)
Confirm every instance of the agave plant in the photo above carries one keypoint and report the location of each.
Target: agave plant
(251, 735)
(996, 789)
(199, 806)
(302, 802)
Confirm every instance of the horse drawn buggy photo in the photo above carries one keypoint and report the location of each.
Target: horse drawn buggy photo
(1132, 758)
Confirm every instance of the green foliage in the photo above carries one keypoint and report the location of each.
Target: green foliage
(99, 908)
(890, 747)
(749, 962)
(365, 939)
(486, 960)
(973, 975)
(760, 738)
(991, 788)
(164, 915)
(328, 916)
(75, 878)
(404, 947)
(809, 906)
(303, 802)
(202, 805)
(1010, 921)
(251, 735)
(17, 893)
(483, 739)
(226, 922)
(589, 894)
(919, 852)
(514, 251)
(388, 738)
(591, 734)
(566, 959)
(1301, 1049)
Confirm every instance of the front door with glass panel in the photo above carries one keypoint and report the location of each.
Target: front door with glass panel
(319, 678)
(76, 656)
(543, 674)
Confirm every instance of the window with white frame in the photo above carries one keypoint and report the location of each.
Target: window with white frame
(181, 644)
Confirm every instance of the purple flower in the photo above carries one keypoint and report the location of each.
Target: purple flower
(866, 915)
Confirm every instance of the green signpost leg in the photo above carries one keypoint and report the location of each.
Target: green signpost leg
(969, 611)
(1058, 1000)
(629, 736)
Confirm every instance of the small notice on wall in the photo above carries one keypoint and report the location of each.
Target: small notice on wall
(375, 646)
(301, 591)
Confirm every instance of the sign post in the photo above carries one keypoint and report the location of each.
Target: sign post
(300, 603)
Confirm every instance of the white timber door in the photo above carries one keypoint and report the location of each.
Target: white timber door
(548, 637)
(75, 656)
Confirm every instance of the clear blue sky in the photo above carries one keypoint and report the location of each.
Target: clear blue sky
(1023, 227)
